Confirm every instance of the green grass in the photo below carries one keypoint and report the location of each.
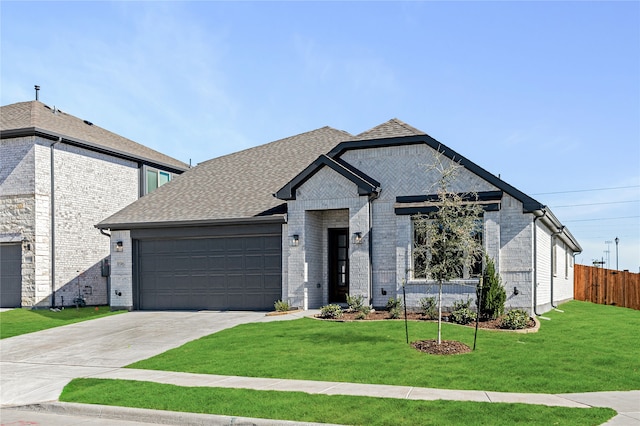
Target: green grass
(298, 406)
(585, 349)
(22, 321)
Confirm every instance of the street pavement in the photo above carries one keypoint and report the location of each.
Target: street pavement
(34, 368)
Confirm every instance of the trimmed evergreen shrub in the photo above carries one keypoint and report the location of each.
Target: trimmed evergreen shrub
(493, 294)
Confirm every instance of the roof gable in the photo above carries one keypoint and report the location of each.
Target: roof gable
(35, 118)
(366, 185)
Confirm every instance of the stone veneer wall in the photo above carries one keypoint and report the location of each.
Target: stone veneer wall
(18, 211)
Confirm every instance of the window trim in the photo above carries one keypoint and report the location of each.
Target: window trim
(144, 187)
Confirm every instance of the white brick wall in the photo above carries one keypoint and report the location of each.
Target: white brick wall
(121, 271)
(328, 200)
(88, 188)
(508, 233)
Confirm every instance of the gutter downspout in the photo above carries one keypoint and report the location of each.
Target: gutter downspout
(106, 234)
(535, 259)
(554, 260)
(52, 249)
(370, 201)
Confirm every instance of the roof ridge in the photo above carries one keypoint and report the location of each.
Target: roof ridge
(282, 140)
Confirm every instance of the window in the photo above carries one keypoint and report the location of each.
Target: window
(155, 178)
(420, 257)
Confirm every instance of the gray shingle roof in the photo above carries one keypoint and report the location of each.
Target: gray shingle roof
(233, 187)
(393, 128)
(34, 115)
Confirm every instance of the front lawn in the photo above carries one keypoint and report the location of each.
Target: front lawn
(22, 321)
(587, 348)
(299, 406)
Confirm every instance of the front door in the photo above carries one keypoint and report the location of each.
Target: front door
(338, 265)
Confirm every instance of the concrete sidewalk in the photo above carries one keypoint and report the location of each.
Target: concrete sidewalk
(627, 404)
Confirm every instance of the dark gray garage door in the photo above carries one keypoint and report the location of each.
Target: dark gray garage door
(10, 275)
(224, 273)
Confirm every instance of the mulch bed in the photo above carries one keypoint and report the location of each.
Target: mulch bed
(446, 347)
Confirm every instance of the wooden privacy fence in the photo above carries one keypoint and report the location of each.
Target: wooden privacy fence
(606, 286)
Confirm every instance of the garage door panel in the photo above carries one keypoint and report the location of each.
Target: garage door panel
(216, 263)
(235, 282)
(210, 273)
(272, 261)
(235, 244)
(254, 261)
(10, 275)
(254, 282)
(234, 262)
(272, 282)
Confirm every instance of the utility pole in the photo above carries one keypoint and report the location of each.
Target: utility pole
(607, 251)
(617, 240)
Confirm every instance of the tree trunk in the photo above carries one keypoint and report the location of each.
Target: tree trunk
(440, 312)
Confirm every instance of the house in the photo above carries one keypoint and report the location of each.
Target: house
(59, 176)
(314, 217)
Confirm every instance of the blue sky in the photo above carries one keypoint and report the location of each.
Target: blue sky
(545, 94)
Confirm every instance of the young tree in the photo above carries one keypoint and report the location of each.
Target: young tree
(446, 243)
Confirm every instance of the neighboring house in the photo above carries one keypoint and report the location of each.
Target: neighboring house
(314, 217)
(59, 176)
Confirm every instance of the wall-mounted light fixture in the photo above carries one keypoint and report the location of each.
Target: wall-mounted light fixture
(119, 246)
(295, 240)
(516, 291)
(357, 237)
(26, 244)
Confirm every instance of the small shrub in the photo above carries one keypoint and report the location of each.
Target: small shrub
(428, 307)
(394, 306)
(361, 315)
(331, 311)
(515, 319)
(282, 306)
(461, 313)
(356, 304)
(493, 293)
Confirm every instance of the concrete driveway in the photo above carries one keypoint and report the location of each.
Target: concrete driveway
(35, 367)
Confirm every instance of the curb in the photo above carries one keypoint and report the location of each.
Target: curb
(144, 415)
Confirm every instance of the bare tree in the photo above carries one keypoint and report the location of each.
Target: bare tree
(445, 241)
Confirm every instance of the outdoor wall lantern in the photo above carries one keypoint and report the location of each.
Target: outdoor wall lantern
(295, 240)
(516, 291)
(357, 237)
(26, 243)
(119, 246)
